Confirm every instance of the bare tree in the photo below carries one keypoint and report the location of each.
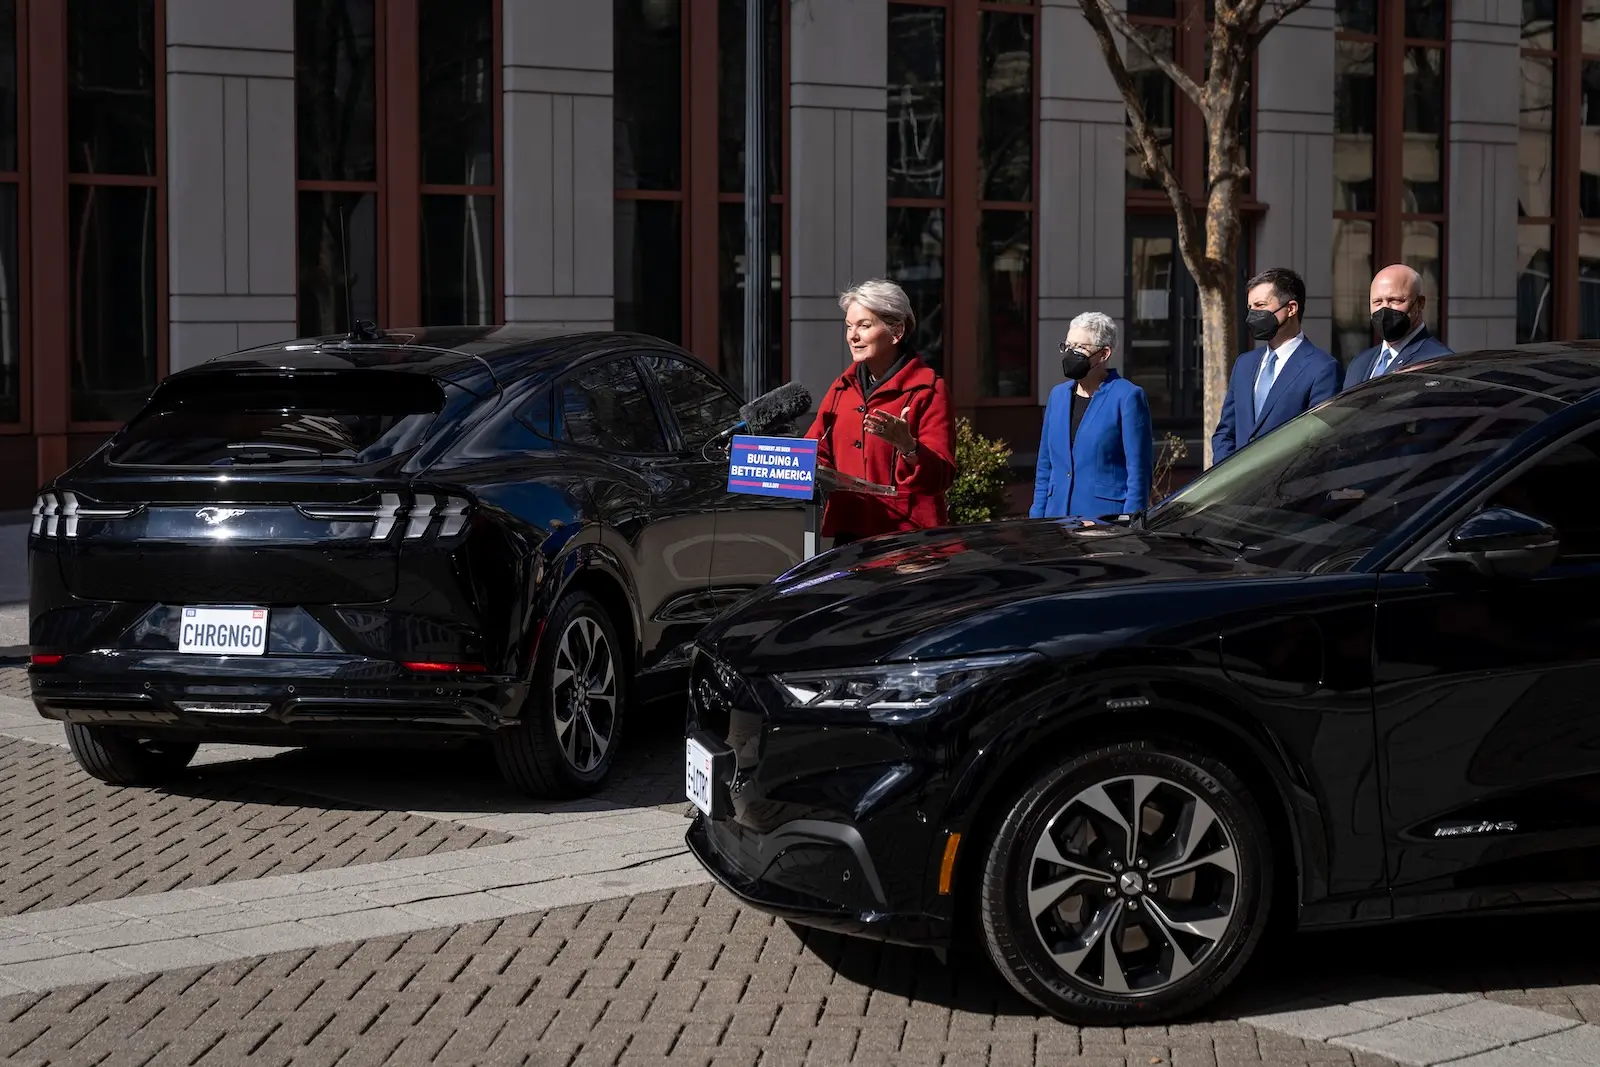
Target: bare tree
(1210, 250)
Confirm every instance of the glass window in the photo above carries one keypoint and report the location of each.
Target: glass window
(916, 109)
(702, 406)
(248, 420)
(8, 85)
(916, 262)
(730, 290)
(335, 90)
(458, 260)
(1591, 25)
(649, 268)
(1425, 19)
(536, 414)
(338, 253)
(648, 99)
(1352, 287)
(607, 407)
(1589, 142)
(1005, 114)
(111, 86)
(1535, 138)
(1158, 97)
(1161, 9)
(1006, 345)
(1421, 249)
(730, 95)
(1539, 23)
(456, 63)
(1332, 484)
(1356, 16)
(1588, 283)
(1534, 292)
(1355, 125)
(1422, 157)
(114, 315)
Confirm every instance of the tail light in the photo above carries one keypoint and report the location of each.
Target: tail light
(45, 659)
(60, 512)
(445, 668)
(447, 516)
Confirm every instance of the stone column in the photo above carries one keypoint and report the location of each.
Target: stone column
(1082, 195)
(838, 172)
(559, 207)
(230, 176)
(1485, 102)
(1294, 158)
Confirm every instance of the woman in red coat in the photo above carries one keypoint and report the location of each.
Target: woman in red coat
(885, 419)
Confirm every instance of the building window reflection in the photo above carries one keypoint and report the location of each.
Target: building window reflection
(11, 266)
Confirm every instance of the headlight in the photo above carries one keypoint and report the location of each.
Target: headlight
(893, 691)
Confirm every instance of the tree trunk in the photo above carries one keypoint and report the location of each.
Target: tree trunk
(1219, 302)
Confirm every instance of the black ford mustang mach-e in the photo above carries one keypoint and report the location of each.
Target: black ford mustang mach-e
(436, 533)
(1347, 676)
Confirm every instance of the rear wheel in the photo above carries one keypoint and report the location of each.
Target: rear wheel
(120, 758)
(1128, 886)
(577, 702)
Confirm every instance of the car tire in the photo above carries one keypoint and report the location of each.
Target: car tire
(577, 704)
(1117, 935)
(119, 758)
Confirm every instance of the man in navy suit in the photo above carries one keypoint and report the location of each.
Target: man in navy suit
(1287, 375)
(1397, 310)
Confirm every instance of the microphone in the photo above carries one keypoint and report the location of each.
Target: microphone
(776, 407)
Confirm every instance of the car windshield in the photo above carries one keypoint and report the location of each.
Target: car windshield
(247, 420)
(1325, 488)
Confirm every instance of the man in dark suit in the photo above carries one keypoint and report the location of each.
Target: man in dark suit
(1397, 316)
(1287, 375)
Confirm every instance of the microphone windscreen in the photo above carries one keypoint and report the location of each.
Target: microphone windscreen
(778, 406)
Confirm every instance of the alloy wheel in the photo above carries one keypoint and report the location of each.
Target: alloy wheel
(1132, 884)
(584, 694)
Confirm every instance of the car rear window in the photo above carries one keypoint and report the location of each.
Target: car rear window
(251, 420)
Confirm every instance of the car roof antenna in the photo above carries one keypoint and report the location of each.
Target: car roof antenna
(362, 329)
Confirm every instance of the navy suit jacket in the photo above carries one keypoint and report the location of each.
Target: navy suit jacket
(1107, 469)
(1423, 346)
(1310, 377)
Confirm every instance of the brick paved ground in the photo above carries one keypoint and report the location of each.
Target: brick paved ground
(677, 978)
(66, 838)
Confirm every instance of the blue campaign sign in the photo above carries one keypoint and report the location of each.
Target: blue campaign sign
(773, 466)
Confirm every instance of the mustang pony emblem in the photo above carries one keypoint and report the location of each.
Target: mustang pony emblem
(213, 516)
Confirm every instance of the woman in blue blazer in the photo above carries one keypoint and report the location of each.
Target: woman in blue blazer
(1095, 451)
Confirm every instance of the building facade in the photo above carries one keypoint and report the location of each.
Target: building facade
(180, 178)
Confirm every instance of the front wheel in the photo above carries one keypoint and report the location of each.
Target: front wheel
(1127, 886)
(119, 758)
(573, 723)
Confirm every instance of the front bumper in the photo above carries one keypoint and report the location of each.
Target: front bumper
(805, 872)
(269, 700)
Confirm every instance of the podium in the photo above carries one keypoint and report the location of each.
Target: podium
(829, 481)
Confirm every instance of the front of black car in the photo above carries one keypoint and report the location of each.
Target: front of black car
(863, 730)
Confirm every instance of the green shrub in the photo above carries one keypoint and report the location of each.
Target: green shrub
(979, 491)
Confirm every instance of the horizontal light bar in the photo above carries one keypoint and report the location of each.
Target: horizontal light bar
(445, 668)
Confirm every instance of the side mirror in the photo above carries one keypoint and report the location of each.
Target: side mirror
(1498, 543)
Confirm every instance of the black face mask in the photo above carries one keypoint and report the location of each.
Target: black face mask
(1074, 363)
(1261, 323)
(1391, 323)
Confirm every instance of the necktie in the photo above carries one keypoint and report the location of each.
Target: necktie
(1385, 358)
(1269, 371)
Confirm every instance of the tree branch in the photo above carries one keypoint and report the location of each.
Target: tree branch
(1189, 243)
(1109, 13)
(1281, 9)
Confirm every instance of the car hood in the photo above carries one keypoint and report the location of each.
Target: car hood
(964, 590)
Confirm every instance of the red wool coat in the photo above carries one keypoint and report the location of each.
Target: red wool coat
(844, 445)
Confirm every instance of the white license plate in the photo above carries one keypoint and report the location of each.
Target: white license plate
(223, 631)
(698, 778)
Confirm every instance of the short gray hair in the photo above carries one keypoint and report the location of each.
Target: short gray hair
(1101, 328)
(884, 299)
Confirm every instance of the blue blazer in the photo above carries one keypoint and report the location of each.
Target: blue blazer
(1310, 377)
(1423, 346)
(1106, 471)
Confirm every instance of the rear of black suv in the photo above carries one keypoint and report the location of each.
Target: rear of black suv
(255, 558)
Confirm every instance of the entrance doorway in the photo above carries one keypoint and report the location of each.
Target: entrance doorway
(1163, 351)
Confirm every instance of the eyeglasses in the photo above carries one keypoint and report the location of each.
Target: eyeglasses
(1066, 349)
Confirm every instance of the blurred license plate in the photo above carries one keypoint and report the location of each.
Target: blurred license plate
(698, 777)
(223, 631)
